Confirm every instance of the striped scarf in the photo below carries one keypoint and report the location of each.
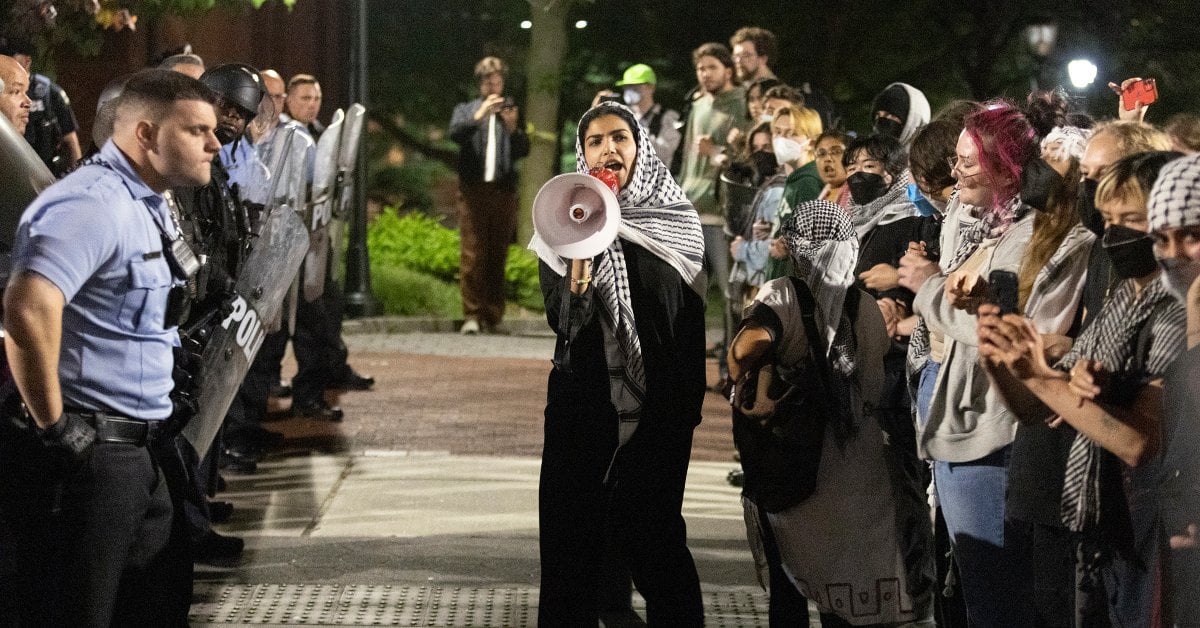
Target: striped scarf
(1113, 339)
(657, 216)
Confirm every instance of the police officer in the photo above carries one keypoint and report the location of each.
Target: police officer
(87, 313)
(52, 128)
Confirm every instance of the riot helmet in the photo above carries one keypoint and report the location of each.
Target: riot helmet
(237, 84)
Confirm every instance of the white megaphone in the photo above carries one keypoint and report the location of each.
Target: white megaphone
(577, 215)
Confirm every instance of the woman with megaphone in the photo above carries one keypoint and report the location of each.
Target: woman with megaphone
(629, 374)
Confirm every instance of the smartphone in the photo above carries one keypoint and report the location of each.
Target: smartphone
(1002, 291)
(509, 103)
(1144, 91)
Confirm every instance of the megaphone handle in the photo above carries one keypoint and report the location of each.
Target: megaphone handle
(581, 275)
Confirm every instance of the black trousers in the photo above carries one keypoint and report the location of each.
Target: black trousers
(96, 545)
(641, 505)
(317, 340)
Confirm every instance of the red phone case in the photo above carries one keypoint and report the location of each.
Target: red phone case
(1144, 91)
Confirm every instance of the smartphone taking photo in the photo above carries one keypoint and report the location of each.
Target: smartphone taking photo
(1003, 291)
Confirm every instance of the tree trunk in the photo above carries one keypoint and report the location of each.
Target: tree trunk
(547, 47)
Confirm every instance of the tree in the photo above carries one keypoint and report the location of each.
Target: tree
(547, 47)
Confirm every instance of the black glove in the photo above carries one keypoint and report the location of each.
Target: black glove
(70, 438)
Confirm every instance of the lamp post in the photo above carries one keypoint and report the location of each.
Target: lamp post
(360, 301)
(1082, 73)
(1041, 38)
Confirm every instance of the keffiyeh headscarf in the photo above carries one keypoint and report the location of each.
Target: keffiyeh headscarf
(657, 216)
(824, 249)
(892, 206)
(1066, 142)
(1175, 198)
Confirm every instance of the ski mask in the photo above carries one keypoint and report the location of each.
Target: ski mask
(1089, 216)
(764, 163)
(866, 187)
(1179, 275)
(787, 149)
(631, 96)
(1038, 178)
(888, 127)
(1131, 251)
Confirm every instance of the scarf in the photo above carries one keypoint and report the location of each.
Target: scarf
(824, 250)
(1113, 339)
(992, 223)
(656, 215)
(892, 206)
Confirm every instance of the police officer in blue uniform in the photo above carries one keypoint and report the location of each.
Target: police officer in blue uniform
(86, 521)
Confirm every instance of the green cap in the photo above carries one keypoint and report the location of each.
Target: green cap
(638, 74)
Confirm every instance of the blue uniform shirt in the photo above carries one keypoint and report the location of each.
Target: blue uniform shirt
(94, 236)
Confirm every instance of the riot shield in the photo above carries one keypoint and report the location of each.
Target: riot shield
(325, 170)
(343, 194)
(288, 156)
(269, 271)
(23, 176)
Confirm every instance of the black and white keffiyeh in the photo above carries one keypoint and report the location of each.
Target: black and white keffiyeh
(1175, 198)
(824, 250)
(892, 206)
(1112, 339)
(656, 215)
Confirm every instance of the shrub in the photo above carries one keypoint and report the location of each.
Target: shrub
(420, 244)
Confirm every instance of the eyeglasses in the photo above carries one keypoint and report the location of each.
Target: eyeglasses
(954, 163)
(835, 152)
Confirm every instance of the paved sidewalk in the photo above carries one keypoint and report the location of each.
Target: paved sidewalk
(420, 508)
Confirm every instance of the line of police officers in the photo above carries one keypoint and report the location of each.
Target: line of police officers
(121, 272)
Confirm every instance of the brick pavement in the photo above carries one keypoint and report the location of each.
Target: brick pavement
(462, 405)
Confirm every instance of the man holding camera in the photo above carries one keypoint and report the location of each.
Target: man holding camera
(490, 142)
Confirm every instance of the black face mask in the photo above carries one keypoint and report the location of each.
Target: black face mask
(1131, 251)
(1038, 178)
(764, 163)
(888, 127)
(866, 187)
(1089, 216)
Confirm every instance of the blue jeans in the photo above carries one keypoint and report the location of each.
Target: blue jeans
(971, 496)
(925, 384)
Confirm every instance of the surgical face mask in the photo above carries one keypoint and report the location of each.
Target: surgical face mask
(866, 187)
(1179, 275)
(1037, 180)
(765, 117)
(1089, 216)
(1131, 251)
(888, 127)
(787, 149)
(923, 203)
(631, 96)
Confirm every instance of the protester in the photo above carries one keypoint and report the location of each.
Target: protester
(625, 392)
(899, 111)
(794, 131)
(1175, 224)
(830, 146)
(754, 52)
(1109, 388)
(838, 488)
(967, 430)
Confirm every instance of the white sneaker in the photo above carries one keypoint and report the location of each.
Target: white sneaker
(470, 327)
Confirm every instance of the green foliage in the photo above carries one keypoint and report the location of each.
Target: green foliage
(405, 292)
(419, 244)
(409, 185)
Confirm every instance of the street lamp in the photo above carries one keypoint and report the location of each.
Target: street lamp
(1082, 73)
